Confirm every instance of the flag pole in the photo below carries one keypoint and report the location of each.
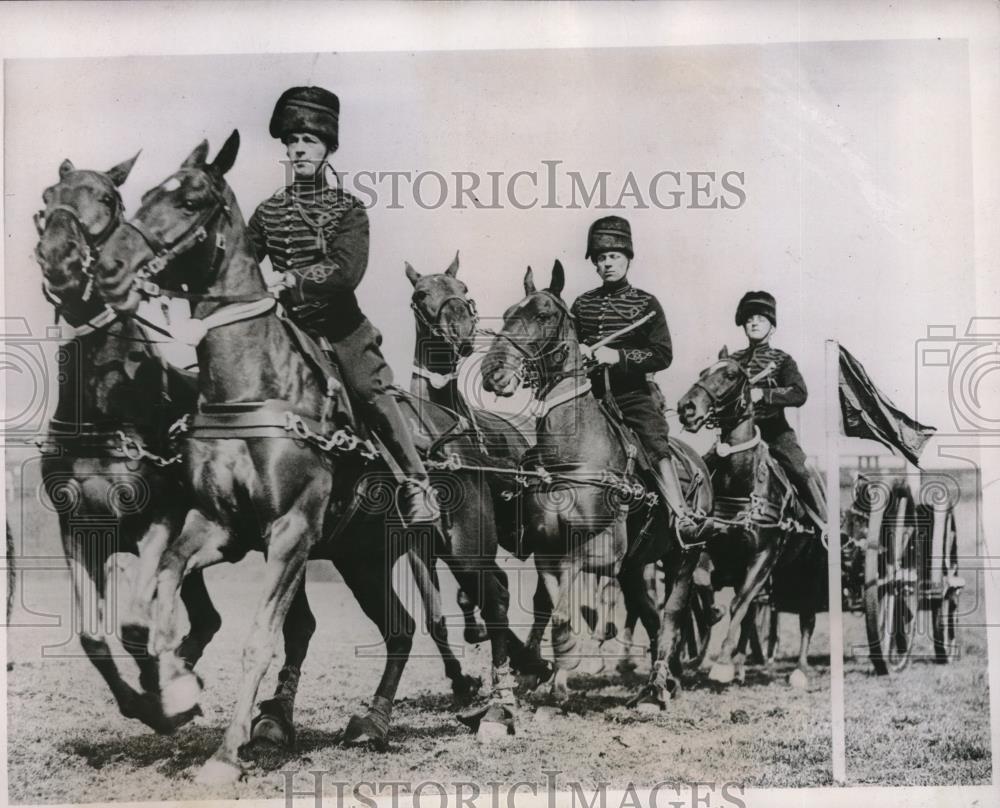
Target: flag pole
(833, 567)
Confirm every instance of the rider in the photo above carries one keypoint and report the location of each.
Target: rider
(632, 358)
(775, 384)
(316, 237)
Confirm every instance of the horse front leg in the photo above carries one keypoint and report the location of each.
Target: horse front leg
(274, 723)
(291, 537)
(370, 580)
(799, 678)
(91, 611)
(664, 678)
(724, 669)
(423, 567)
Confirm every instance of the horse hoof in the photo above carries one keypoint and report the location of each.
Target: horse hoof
(465, 687)
(798, 679)
(362, 730)
(626, 665)
(180, 695)
(268, 729)
(545, 714)
(741, 674)
(476, 634)
(649, 708)
(722, 673)
(218, 773)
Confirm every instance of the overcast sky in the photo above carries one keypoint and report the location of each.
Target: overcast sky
(855, 162)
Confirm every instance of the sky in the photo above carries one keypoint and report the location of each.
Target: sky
(855, 160)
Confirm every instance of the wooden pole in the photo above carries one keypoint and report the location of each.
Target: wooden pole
(833, 568)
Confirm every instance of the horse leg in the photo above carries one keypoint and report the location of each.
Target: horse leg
(90, 611)
(473, 561)
(534, 669)
(664, 677)
(371, 583)
(475, 630)
(724, 670)
(204, 618)
(424, 573)
(197, 546)
(291, 536)
(558, 576)
(799, 678)
(274, 722)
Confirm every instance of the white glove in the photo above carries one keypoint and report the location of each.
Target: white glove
(602, 356)
(756, 394)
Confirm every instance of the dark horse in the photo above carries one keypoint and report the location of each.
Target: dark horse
(590, 512)
(286, 495)
(107, 468)
(446, 330)
(760, 525)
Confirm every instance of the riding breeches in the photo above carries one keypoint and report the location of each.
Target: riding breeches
(643, 413)
(783, 444)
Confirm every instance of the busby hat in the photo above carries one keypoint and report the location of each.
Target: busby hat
(757, 303)
(307, 109)
(612, 233)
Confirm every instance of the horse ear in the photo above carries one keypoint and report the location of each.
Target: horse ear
(227, 154)
(197, 158)
(558, 278)
(412, 274)
(120, 172)
(724, 353)
(66, 167)
(529, 282)
(452, 270)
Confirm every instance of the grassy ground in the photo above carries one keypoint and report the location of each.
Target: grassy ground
(67, 743)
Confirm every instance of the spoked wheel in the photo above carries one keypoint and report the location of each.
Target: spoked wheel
(696, 632)
(891, 598)
(944, 610)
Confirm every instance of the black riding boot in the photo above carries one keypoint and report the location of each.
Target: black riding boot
(417, 500)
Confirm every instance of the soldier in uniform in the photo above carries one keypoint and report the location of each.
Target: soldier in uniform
(316, 237)
(776, 384)
(631, 359)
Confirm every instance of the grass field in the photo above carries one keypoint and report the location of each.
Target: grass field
(67, 743)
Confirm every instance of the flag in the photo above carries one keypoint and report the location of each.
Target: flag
(868, 413)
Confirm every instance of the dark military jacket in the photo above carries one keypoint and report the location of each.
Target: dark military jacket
(645, 350)
(783, 385)
(320, 235)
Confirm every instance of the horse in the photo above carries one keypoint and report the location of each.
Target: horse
(589, 509)
(308, 494)
(106, 466)
(446, 323)
(758, 523)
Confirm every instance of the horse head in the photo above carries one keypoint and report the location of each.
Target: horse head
(443, 309)
(81, 212)
(537, 338)
(721, 394)
(179, 229)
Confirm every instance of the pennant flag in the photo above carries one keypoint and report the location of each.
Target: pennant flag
(868, 413)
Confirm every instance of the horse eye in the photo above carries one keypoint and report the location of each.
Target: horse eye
(190, 204)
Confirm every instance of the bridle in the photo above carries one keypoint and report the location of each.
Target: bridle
(431, 321)
(532, 365)
(163, 252)
(92, 244)
(736, 399)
